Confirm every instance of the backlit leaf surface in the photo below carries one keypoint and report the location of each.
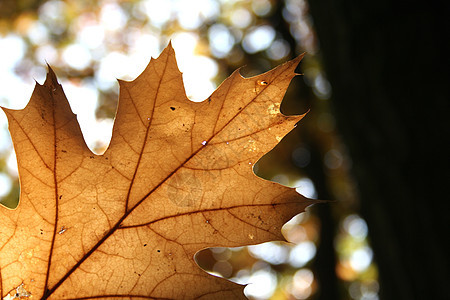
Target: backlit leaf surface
(176, 178)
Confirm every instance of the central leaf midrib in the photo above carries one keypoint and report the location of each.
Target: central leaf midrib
(55, 180)
(145, 138)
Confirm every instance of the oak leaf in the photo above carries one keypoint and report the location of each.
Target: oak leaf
(176, 178)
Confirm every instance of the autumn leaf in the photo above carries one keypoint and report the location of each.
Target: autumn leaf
(176, 178)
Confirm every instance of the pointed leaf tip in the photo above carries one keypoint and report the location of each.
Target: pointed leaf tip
(51, 79)
(297, 61)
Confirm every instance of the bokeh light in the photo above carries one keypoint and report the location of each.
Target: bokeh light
(261, 284)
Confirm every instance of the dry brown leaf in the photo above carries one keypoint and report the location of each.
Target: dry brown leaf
(176, 178)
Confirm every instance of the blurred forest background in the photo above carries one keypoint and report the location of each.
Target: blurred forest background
(374, 141)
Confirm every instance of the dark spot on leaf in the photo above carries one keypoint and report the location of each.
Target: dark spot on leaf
(172, 108)
(158, 250)
(145, 245)
(64, 151)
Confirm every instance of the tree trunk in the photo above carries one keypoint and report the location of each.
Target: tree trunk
(387, 63)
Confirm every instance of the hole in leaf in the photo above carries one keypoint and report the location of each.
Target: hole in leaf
(262, 82)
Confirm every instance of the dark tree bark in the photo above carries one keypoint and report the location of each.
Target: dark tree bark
(387, 62)
(325, 261)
